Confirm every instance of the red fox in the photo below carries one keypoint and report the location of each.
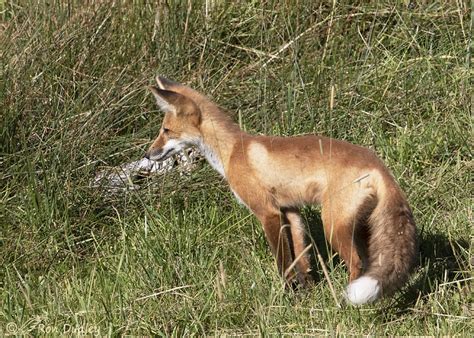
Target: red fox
(365, 215)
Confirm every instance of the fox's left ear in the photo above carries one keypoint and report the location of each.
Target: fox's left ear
(164, 83)
(165, 99)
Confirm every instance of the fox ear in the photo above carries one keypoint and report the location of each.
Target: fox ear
(164, 83)
(164, 99)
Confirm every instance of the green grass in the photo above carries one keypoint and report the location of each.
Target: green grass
(180, 256)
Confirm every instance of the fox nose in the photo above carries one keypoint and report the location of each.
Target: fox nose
(147, 155)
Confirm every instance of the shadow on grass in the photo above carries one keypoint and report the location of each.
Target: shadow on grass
(441, 261)
(315, 235)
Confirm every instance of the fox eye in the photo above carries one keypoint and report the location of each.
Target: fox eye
(165, 130)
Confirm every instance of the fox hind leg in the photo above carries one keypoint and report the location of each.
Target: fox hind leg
(339, 230)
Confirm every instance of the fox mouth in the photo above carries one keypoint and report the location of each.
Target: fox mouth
(164, 155)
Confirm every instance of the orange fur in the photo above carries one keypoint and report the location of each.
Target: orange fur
(365, 215)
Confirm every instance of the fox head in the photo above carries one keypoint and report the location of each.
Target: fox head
(180, 127)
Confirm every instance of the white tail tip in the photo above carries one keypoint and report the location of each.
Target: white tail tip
(363, 290)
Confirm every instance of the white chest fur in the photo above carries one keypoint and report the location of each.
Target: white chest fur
(211, 157)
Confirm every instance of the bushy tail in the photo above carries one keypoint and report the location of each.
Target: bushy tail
(392, 247)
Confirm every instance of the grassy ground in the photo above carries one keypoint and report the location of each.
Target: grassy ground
(180, 256)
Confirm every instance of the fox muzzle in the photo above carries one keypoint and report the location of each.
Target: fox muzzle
(170, 148)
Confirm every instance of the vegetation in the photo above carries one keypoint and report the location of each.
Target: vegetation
(180, 256)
